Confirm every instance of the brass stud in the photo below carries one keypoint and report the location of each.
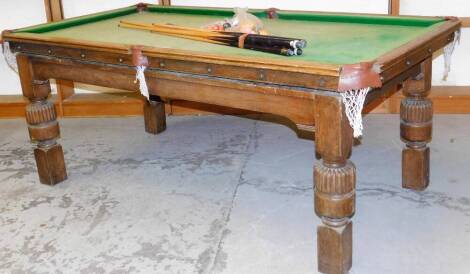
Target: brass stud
(262, 76)
(49, 51)
(18, 47)
(321, 82)
(430, 50)
(83, 55)
(162, 64)
(121, 60)
(209, 69)
(408, 62)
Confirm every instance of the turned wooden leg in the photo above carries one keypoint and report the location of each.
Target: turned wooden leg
(44, 130)
(154, 115)
(416, 113)
(334, 179)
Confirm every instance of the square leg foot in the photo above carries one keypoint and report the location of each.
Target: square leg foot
(334, 249)
(51, 164)
(154, 116)
(415, 168)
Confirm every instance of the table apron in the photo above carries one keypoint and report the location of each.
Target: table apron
(296, 104)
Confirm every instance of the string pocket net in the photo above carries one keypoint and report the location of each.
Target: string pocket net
(10, 57)
(448, 51)
(353, 101)
(140, 77)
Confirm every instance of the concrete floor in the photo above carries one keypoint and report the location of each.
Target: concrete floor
(224, 195)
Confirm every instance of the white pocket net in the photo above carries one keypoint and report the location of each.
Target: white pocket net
(448, 51)
(10, 57)
(353, 101)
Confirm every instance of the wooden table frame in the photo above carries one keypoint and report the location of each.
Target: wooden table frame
(304, 93)
(446, 99)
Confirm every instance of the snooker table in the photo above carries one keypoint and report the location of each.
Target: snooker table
(346, 52)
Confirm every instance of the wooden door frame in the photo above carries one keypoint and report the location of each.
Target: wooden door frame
(164, 2)
(394, 7)
(65, 89)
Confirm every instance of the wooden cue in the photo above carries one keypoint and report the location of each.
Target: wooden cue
(228, 39)
(300, 43)
(205, 39)
(176, 30)
(155, 29)
(264, 40)
(174, 34)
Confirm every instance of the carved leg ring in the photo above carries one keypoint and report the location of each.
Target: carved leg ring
(416, 131)
(335, 203)
(44, 129)
(416, 113)
(154, 115)
(335, 184)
